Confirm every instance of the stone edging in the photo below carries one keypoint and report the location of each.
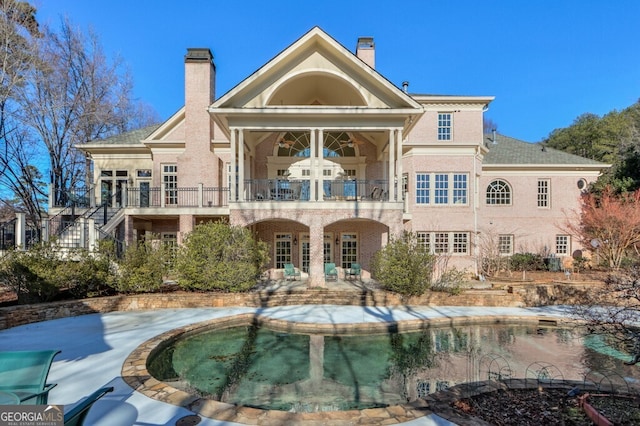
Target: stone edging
(135, 373)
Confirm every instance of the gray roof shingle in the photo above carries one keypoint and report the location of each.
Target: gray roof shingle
(128, 138)
(506, 150)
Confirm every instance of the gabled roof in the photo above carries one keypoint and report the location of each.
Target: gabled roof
(509, 151)
(297, 58)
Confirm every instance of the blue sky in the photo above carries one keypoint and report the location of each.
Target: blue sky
(545, 61)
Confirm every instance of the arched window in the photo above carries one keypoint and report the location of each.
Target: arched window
(297, 144)
(499, 193)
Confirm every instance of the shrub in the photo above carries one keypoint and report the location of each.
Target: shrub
(451, 281)
(143, 267)
(217, 256)
(403, 266)
(86, 274)
(44, 271)
(526, 262)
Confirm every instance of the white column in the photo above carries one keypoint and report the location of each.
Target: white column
(392, 161)
(320, 167)
(241, 196)
(232, 165)
(313, 172)
(93, 237)
(399, 164)
(82, 223)
(21, 231)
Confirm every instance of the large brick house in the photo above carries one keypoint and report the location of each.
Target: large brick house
(324, 158)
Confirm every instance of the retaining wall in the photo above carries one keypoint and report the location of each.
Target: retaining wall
(518, 295)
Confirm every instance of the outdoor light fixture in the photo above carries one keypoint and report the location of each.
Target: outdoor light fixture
(295, 241)
(337, 241)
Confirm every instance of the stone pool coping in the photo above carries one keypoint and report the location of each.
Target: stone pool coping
(135, 374)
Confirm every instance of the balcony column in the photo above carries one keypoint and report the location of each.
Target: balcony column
(398, 179)
(241, 195)
(320, 167)
(392, 161)
(313, 172)
(232, 165)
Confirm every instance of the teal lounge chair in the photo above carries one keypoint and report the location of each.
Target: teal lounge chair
(355, 272)
(24, 373)
(330, 272)
(76, 416)
(290, 272)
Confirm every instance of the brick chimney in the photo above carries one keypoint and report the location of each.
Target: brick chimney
(195, 164)
(366, 50)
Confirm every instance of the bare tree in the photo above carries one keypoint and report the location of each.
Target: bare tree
(614, 311)
(488, 126)
(76, 96)
(18, 33)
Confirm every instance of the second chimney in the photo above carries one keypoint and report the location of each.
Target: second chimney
(366, 51)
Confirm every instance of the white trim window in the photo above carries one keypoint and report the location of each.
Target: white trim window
(562, 244)
(445, 242)
(505, 244)
(282, 248)
(442, 189)
(544, 189)
(499, 193)
(170, 182)
(444, 126)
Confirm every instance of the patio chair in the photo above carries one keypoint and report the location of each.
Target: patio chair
(330, 272)
(24, 373)
(76, 416)
(290, 272)
(355, 272)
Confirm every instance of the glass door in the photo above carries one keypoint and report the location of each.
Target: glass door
(305, 252)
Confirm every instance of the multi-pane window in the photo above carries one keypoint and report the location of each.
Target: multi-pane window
(170, 181)
(442, 188)
(460, 242)
(505, 244)
(460, 188)
(349, 253)
(499, 193)
(543, 193)
(328, 248)
(444, 126)
(441, 191)
(282, 253)
(423, 190)
(441, 243)
(562, 244)
(424, 239)
(170, 243)
(444, 242)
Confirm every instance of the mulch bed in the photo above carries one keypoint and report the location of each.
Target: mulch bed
(537, 407)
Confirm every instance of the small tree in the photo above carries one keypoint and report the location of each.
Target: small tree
(404, 265)
(222, 257)
(608, 225)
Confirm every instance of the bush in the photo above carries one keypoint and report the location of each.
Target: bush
(217, 256)
(526, 262)
(44, 271)
(143, 267)
(451, 281)
(403, 266)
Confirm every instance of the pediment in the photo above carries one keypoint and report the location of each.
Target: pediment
(315, 71)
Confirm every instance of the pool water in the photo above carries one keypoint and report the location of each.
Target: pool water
(267, 369)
